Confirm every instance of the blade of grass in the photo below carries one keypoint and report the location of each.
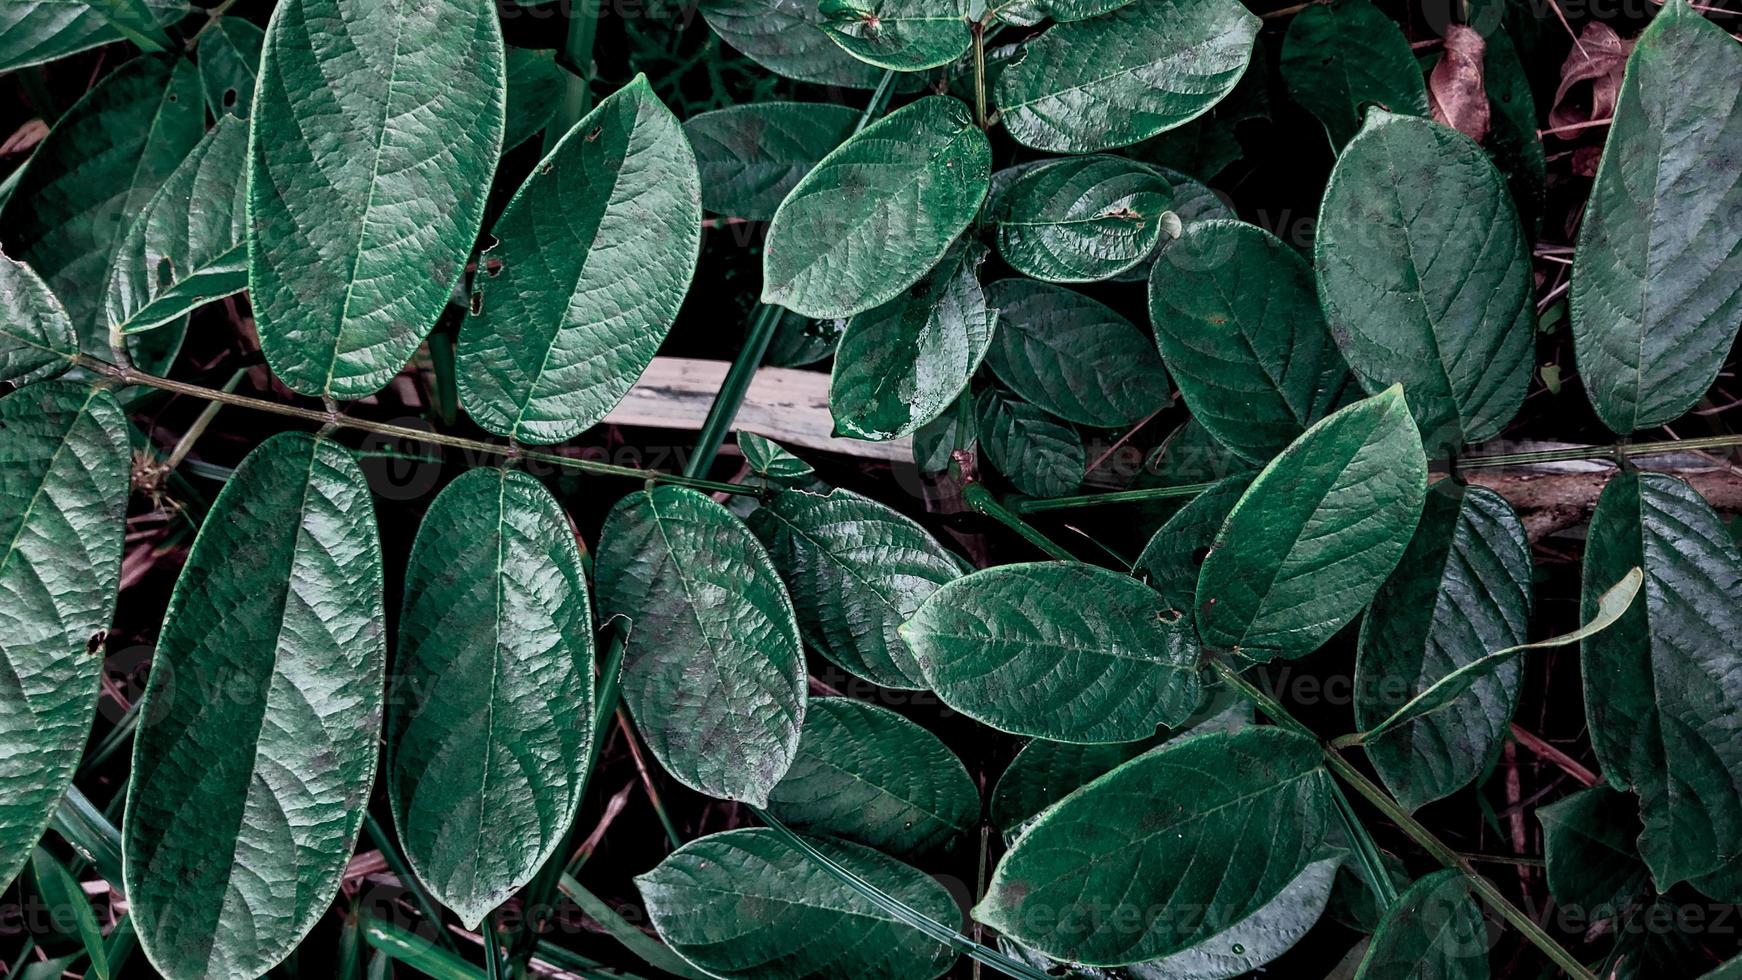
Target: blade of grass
(653, 952)
(417, 952)
(395, 864)
(82, 825)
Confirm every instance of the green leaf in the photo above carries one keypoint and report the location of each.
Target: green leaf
(185, 248)
(902, 364)
(68, 910)
(535, 91)
(1082, 219)
(34, 32)
(1444, 692)
(492, 713)
(1316, 534)
(263, 708)
(1045, 772)
(1512, 137)
(1589, 840)
(96, 169)
(1042, 456)
(1238, 323)
(745, 904)
(1657, 683)
(376, 129)
(868, 775)
(901, 35)
(800, 341)
(1072, 356)
(64, 461)
(1176, 552)
(771, 463)
(1257, 939)
(1655, 301)
(36, 335)
(856, 570)
(786, 37)
(878, 212)
(956, 429)
(1461, 591)
(714, 672)
(229, 54)
(1027, 13)
(751, 156)
(1114, 80)
(1339, 58)
(595, 254)
(1434, 930)
(1232, 819)
(1425, 278)
(1057, 650)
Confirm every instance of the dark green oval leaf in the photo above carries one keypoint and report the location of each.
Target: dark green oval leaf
(1232, 818)
(1057, 650)
(36, 334)
(786, 37)
(714, 672)
(1238, 323)
(1114, 80)
(376, 129)
(745, 905)
(64, 461)
(1316, 534)
(185, 248)
(493, 690)
(1460, 592)
(33, 32)
(856, 570)
(1082, 219)
(1658, 682)
(1341, 57)
(878, 212)
(1434, 930)
(1072, 356)
(868, 775)
(752, 156)
(901, 35)
(96, 169)
(535, 92)
(1590, 844)
(1424, 276)
(1655, 301)
(595, 254)
(1176, 552)
(1042, 456)
(262, 716)
(902, 364)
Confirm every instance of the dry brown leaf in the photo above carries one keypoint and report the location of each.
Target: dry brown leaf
(1455, 88)
(1597, 59)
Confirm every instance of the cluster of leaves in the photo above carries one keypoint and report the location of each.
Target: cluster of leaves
(1152, 827)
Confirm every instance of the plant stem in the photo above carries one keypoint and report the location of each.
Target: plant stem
(979, 29)
(978, 497)
(1377, 796)
(732, 390)
(762, 328)
(1630, 450)
(131, 376)
(379, 838)
(577, 58)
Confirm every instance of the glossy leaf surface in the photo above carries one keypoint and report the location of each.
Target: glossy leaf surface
(595, 255)
(1082, 219)
(751, 156)
(36, 334)
(1434, 930)
(492, 710)
(1072, 356)
(1042, 456)
(1339, 58)
(714, 673)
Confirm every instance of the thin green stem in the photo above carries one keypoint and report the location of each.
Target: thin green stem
(979, 28)
(1366, 850)
(907, 914)
(733, 389)
(131, 376)
(394, 864)
(978, 497)
(1036, 505)
(577, 58)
